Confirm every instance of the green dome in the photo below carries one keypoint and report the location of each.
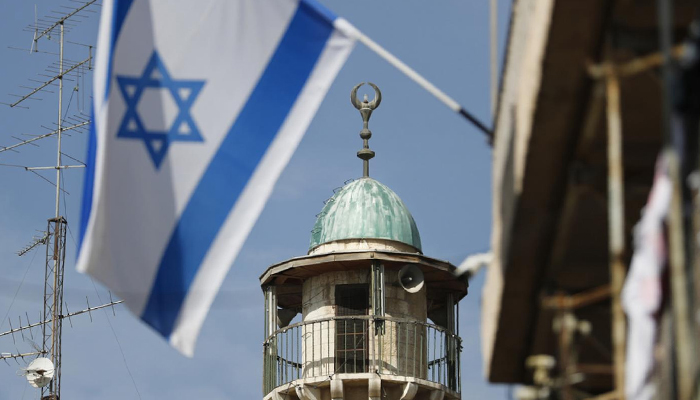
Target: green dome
(365, 209)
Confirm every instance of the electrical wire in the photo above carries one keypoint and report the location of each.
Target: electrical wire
(65, 210)
(18, 288)
(121, 350)
(117, 340)
(70, 100)
(44, 178)
(72, 158)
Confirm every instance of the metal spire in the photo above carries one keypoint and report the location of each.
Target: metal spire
(365, 107)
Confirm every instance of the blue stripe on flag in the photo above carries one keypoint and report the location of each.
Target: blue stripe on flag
(234, 163)
(89, 181)
(119, 10)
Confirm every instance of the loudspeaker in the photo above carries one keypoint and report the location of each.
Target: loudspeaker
(411, 278)
(285, 316)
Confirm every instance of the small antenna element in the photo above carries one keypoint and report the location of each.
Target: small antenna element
(366, 107)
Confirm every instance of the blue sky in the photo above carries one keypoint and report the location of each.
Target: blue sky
(434, 160)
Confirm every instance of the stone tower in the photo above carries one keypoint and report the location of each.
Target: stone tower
(365, 293)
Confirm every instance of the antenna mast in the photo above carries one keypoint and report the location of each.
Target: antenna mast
(55, 235)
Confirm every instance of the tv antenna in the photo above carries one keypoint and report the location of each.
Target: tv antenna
(45, 370)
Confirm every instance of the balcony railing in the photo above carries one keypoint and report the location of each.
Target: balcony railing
(358, 344)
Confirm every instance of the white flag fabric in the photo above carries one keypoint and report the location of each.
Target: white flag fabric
(198, 106)
(642, 293)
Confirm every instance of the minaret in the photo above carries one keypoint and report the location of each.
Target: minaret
(378, 318)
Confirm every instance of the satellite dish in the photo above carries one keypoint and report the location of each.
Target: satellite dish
(39, 372)
(285, 316)
(411, 278)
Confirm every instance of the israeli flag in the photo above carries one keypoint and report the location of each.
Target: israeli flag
(198, 106)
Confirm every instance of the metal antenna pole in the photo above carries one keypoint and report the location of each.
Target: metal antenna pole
(55, 236)
(53, 286)
(53, 302)
(60, 117)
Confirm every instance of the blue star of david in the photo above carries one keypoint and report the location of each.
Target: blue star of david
(184, 92)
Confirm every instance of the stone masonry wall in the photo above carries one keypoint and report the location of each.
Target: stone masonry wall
(400, 350)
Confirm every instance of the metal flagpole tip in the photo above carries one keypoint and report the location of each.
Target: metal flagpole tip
(365, 107)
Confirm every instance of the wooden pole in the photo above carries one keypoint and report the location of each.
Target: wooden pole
(616, 228)
(685, 353)
(494, 55)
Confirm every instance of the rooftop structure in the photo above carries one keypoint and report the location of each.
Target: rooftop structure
(365, 293)
(365, 209)
(578, 130)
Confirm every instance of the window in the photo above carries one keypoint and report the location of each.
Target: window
(350, 334)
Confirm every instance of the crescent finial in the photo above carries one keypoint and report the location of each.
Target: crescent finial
(377, 96)
(371, 105)
(353, 96)
(365, 107)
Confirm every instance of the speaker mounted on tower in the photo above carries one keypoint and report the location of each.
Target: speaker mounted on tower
(411, 278)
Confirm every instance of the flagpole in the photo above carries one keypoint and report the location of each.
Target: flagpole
(345, 26)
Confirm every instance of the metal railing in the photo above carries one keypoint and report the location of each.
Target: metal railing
(357, 344)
